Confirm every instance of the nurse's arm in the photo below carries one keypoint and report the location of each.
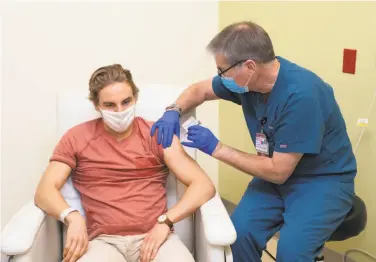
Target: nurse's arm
(276, 169)
(196, 94)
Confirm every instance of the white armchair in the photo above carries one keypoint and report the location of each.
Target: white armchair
(33, 236)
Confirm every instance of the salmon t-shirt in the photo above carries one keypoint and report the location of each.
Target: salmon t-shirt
(122, 183)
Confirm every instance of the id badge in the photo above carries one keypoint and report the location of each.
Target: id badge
(262, 144)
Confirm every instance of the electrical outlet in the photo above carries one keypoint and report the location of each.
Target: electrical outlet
(363, 122)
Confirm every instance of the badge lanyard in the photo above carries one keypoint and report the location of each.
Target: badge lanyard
(262, 144)
(263, 122)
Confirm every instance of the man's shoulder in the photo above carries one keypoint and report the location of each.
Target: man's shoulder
(85, 129)
(143, 123)
(150, 142)
(144, 127)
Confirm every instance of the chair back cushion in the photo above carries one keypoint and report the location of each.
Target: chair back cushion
(74, 107)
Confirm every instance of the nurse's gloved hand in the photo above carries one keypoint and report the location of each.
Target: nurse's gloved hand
(167, 126)
(202, 138)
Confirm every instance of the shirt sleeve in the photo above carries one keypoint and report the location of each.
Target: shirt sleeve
(157, 150)
(145, 127)
(222, 92)
(65, 151)
(301, 126)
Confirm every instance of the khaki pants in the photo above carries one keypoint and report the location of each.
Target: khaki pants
(127, 249)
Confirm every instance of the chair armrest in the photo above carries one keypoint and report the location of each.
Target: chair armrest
(19, 234)
(217, 225)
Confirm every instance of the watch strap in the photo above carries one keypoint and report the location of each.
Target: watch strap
(168, 222)
(66, 212)
(175, 107)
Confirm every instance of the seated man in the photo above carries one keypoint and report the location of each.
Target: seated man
(121, 173)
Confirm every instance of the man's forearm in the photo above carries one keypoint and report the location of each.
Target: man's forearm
(190, 98)
(194, 197)
(50, 201)
(258, 166)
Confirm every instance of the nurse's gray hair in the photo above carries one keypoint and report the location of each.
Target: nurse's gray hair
(242, 41)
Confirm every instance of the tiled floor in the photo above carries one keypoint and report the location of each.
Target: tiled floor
(272, 248)
(329, 254)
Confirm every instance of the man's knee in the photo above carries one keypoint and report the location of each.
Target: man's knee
(248, 244)
(245, 231)
(242, 227)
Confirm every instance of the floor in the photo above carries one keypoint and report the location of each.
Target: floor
(272, 248)
(329, 254)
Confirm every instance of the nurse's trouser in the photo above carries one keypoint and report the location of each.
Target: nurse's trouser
(305, 210)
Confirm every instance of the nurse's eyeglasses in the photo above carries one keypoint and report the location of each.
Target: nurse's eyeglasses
(220, 72)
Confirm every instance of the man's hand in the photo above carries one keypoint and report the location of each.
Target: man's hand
(152, 242)
(167, 126)
(77, 238)
(202, 138)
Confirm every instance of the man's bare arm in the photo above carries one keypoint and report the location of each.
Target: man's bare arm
(49, 199)
(48, 196)
(196, 94)
(200, 188)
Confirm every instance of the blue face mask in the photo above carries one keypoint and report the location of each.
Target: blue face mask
(231, 85)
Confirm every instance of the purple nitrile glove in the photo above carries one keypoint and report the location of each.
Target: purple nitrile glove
(167, 125)
(202, 138)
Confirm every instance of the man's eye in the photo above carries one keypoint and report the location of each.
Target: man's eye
(125, 102)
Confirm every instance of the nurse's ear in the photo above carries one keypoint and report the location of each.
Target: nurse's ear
(251, 65)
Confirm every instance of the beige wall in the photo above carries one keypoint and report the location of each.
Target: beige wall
(314, 35)
(56, 46)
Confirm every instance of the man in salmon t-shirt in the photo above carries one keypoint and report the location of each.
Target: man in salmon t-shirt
(120, 172)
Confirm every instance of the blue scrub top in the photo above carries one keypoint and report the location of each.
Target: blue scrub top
(302, 116)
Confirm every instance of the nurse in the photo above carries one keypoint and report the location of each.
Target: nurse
(304, 169)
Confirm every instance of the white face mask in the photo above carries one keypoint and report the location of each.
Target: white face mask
(119, 121)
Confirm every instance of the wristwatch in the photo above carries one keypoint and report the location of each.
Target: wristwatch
(175, 107)
(66, 212)
(163, 219)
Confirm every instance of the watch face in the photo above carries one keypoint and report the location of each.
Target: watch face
(162, 218)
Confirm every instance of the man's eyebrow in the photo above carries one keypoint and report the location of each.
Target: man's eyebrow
(128, 98)
(125, 99)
